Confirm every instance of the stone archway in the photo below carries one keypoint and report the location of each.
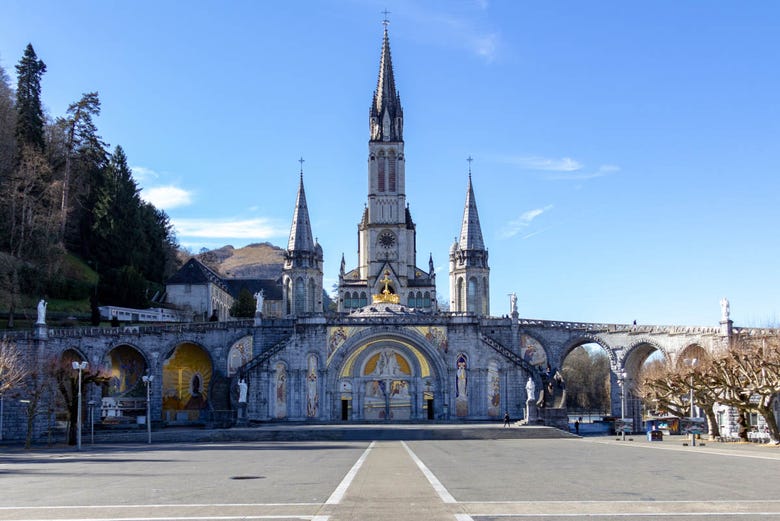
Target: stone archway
(186, 383)
(389, 378)
(123, 396)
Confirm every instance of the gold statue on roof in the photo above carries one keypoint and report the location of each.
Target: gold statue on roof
(386, 296)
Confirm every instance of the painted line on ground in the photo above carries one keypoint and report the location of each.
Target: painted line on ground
(433, 480)
(338, 494)
(168, 505)
(665, 515)
(184, 518)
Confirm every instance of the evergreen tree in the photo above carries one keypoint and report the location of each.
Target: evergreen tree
(7, 122)
(245, 306)
(29, 120)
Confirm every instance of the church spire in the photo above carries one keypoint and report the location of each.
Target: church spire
(471, 231)
(386, 114)
(300, 232)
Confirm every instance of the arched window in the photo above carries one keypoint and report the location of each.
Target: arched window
(311, 297)
(363, 299)
(459, 295)
(485, 299)
(471, 298)
(412, 302)
(347, 300)
(288, 296)
(300, 295)
(427, 300)
(391, 174)
(381, 173)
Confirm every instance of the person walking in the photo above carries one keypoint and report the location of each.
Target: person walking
(577, 426)
(506, 419)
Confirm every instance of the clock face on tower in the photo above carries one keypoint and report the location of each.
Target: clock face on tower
(386, 240)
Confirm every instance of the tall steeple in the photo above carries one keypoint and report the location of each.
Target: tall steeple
(387, 240)
(469, 270)
(302, 270)
(386, 114)
(300, 232)
(470, 230)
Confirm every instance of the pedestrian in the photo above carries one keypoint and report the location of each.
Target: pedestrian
(577, 426)
(506, 419)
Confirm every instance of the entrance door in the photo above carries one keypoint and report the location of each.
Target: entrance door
(344, 410)
(429, 403)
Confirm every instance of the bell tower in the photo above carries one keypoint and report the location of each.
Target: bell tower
(387, 242)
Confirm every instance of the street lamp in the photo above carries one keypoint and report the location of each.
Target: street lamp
(148, 381)
(691, 362)
(622, 383)
(79, 366)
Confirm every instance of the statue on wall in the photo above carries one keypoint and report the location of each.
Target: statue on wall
(259, 296)
(41, 312)
(530, 389)
(513, 303)
(242, 389)
(725, 310)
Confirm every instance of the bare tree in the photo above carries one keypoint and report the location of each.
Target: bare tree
(13, 367)
(747, 376)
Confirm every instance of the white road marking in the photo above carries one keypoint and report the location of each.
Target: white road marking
(338, 494)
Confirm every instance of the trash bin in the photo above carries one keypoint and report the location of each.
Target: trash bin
(655, 436)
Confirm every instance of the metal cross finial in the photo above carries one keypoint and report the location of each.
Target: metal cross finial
(301, 161)
(385, 22)
(469, 159)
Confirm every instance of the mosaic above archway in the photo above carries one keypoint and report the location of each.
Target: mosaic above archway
(532, 351)
(186, 379)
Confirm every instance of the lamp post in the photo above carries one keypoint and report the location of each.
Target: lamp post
(148, 381)
(79, 366)
(691, 362)
(622, 382)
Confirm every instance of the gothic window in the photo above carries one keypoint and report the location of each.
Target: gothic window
(311, 297)
(363, 299)
(427, 300)
(300, 295)
(459, 295)
(411, 299)
(288, 295)
(471, 297)
(347, 300)
(381, 174)
(391, 174)
(419, 302)
(485, 299)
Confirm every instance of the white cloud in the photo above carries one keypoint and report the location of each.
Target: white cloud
(563, 164)
(515, 226)
(167, 197)
(602, 171)
(254, 229)
(143, 175)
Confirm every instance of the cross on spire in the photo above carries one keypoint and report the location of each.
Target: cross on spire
(385, 21)
(301, 161)
(469, 159)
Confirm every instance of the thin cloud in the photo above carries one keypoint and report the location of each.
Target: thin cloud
(602, 171)
(515, 226)
(563, 164)
(257, 229)
(167, 197)
(143, 175)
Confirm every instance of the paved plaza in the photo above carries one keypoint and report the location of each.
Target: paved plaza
(598, 479)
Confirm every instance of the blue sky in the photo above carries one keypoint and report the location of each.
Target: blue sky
(625, 153)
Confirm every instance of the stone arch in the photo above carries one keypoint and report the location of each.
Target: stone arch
(187, 377)
(422, 375)
(123, 396)
(691, 351)
(589, 389)
(590, 339)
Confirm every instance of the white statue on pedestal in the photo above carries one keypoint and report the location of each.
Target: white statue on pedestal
(530, 389)
(259, 299)
(513, 303)
(725, 310)
(242, 388)
(41, 312)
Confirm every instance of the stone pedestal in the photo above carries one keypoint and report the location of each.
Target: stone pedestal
(41, 331)
(726, 327)
(531, 412)
(241, 420)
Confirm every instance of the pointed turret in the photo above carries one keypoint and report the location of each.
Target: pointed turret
(300, 232)
(386, 114)
(469, 270)
(470, 230)
(302, 271)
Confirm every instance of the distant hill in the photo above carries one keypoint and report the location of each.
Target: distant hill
(254, 261)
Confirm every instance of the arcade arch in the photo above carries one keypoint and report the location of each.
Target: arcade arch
(389, 378)
(186, 379)
(123, 395)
